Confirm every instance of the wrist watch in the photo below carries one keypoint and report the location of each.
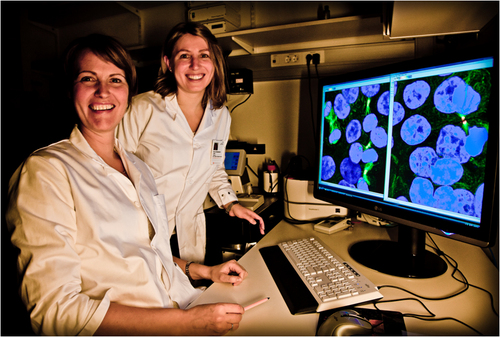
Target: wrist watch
(228, 209)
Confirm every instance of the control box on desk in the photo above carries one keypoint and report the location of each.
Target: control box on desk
(226, 233)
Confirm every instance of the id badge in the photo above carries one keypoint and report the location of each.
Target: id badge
(217, 156)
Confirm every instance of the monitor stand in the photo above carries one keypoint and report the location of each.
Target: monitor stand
(405, 258)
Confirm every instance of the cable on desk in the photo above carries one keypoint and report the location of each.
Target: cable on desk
(446, 256)
(455, 270)
(445, 319)
(432, 316)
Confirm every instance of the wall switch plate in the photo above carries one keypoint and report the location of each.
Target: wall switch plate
(295, 58)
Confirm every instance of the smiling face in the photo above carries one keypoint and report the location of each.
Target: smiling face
(100, 94)
(191, 64)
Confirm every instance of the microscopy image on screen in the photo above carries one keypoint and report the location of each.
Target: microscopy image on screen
(440, 137)
(355, 137)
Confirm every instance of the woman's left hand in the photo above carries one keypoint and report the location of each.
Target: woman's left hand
(246, 214)
(228, 272)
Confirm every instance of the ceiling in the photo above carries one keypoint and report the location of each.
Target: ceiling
(59, 14)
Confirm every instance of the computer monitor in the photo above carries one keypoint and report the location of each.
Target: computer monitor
(415, 143)
(235, 162)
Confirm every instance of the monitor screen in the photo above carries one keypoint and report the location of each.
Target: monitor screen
(414, 143)
(235, 162)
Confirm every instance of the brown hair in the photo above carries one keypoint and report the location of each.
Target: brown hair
(166, 83)
(104, 47)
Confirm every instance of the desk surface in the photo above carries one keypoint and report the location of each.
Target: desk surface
(273, 317)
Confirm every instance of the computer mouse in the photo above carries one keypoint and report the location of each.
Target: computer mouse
(345, 323)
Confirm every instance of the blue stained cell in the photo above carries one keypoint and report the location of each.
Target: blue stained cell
(415, 130)
(464, 202)
(475, 141)
(398, 113)
(370, 156)
(421, 161)
(355, 152)
(362, 185)
(328, 108)
(449, 93)
(454, 95)
(471, 103)
(444, 198)
(395, 88)
(370, 90)
(383, 103)
(422, 192)
(478, 201)
(351, 172)
(446, 171)
(327, 167)
(353, 131)
(341, 107)
(370, 122)
(345, 183)
(351, 94)
(402, 198)
(334, 136)
(378, 136)
(416, 93)
(451, 144)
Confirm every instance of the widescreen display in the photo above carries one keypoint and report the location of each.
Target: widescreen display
(416, 140)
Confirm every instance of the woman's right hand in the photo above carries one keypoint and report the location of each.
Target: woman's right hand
(215, 319)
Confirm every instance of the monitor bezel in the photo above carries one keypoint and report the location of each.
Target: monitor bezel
(240, 169)
(484, 236)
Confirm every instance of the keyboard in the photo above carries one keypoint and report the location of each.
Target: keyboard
(312, 278)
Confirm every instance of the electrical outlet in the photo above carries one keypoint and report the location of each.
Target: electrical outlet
(295, 59)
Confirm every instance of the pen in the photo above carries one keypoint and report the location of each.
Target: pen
(248, 307)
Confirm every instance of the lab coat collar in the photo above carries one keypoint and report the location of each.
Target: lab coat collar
(76, 138)
(173, 109)
(79, 141)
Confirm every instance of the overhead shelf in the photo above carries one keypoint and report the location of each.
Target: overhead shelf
(352, 30)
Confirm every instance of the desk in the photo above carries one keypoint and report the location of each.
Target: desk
(273, 318)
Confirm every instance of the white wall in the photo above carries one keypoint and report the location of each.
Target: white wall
(270, 117)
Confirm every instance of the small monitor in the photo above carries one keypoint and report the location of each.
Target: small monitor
(235, 162)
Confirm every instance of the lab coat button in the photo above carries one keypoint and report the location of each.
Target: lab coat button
(137, 204)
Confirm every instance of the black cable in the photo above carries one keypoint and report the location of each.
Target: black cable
(446, 256)
(432, 316)
(237, 105)
(251, 168)
(443, 319)
(272, 187)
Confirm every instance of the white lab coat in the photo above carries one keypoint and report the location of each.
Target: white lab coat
(183, 163)
(89, 236)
